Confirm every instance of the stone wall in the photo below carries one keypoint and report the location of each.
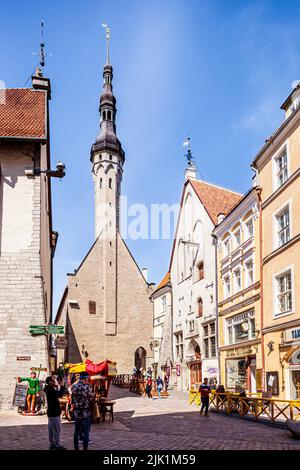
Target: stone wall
(21, 288)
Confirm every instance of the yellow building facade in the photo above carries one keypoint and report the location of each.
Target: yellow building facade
(278, 175)
(239, 318)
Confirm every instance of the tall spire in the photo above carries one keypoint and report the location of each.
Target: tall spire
(107, 137)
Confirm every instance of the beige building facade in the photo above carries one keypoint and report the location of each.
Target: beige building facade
(239, 315)
(278, 171)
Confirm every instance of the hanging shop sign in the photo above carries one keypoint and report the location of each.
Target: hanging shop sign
(61, 342)
(293, 334)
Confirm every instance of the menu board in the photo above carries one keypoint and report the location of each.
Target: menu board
(20, 395)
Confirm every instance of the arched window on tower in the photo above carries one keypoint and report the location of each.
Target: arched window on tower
(100, 183)
(109, 115)
(110, 183)
(104, 115)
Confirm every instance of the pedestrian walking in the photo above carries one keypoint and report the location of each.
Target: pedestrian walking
(53, 392)
(82, 399)
(204, 390)
(159, 386)
(166, 382)
(149, 387)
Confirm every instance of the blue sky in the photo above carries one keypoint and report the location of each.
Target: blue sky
(217, 69)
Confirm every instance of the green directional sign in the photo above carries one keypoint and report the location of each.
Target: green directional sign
(46, 329)
(53, 329)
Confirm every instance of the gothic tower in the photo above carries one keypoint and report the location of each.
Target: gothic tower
(107, 157)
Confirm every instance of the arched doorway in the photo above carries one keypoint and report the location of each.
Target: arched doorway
(140, 358)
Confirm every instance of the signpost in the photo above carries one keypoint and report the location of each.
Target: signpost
(46, 330)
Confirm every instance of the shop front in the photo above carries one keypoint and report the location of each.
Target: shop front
(241, 371)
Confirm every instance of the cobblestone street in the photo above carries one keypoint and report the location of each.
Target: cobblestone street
(140, 423)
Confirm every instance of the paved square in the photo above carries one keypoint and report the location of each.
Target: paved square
(140, 423)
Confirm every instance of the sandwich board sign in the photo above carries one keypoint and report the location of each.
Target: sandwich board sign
(20, 395)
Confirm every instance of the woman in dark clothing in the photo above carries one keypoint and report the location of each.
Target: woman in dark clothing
(53, 392)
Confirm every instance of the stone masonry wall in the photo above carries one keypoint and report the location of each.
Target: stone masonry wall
(21, 289)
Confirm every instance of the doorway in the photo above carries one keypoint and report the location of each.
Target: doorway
(140, 358)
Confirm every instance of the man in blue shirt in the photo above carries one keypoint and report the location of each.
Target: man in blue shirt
(204, 390)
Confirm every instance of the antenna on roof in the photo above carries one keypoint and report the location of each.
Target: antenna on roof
(41, 53)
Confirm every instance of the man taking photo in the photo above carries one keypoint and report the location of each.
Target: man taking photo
(82, 398)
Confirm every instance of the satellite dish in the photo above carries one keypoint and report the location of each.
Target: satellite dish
(295, 83)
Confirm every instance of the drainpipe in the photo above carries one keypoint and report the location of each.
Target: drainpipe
(216, 308)
(258, 192)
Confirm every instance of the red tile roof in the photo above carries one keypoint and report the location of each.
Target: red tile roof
(216, 200)
(164, 282)
(23, 113)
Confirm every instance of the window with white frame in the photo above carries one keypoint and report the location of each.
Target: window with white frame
(283, 286)
(281, 168)
(237, 280)
(209, 340)
(164, 303)
(249, 275)
(283, 226)
(179, 345)
(241, 327)
(237, 238)
(226, 247)
(226, 286)
(249, 229)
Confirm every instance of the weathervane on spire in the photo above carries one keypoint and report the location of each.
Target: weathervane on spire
(188, 155)
(107, 31)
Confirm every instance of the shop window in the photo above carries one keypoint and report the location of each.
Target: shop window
(236, 376)
(92, 307)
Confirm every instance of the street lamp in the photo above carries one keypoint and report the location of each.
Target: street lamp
(58, 173)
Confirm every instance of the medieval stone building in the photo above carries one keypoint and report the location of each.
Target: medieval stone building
(106, 307)
(27, 242)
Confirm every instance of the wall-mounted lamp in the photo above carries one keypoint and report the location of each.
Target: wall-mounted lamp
(58, 173)
(270, 346)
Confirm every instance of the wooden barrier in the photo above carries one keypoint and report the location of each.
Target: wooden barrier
(253, 404)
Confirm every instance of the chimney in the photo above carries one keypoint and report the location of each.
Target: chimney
(41, 83)
(145, 274)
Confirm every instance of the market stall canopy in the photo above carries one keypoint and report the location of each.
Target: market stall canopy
(106, 368)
